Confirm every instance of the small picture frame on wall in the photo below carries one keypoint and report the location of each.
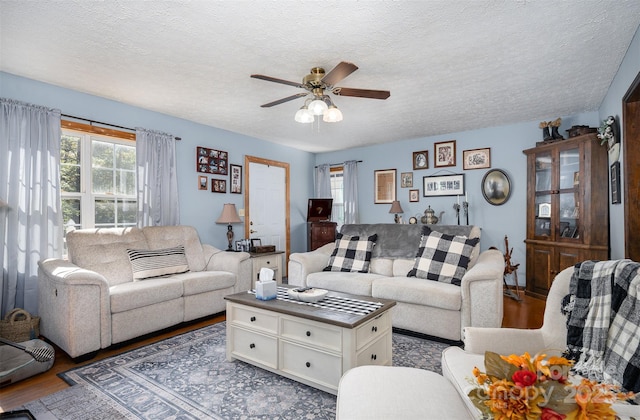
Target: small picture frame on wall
(218, 185)
(384, 186)
(421, 160)
(443, 185)
(235, 179)
(476, 159)
(444, 154)
(406, 180)
(615, 183)
(414, 196)
(203, 183)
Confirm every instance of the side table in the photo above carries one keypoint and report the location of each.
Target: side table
(272, 260)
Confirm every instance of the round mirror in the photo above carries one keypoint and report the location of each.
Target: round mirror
(496, 187)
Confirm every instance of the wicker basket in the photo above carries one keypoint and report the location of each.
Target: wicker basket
(19, 325)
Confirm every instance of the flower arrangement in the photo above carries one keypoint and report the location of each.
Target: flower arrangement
(606, 132)
(525, 387)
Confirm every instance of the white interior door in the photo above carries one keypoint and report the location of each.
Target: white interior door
(267, 201)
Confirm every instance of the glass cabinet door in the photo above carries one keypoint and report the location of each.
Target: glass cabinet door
(568, 203)
(544, 182)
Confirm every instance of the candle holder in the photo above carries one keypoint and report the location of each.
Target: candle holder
(456, 207)
(465, 207)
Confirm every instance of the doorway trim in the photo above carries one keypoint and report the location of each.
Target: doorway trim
(247, 181)
(631, 139)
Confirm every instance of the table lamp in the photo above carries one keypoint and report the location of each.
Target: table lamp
(395, 208)
(229, 215)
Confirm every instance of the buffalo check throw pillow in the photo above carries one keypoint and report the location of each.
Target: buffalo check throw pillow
(146, 263)
(351, 254)
(442, 257)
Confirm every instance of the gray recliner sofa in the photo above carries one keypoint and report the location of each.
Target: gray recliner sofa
(91, 300)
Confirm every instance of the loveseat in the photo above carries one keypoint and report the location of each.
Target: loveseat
(434, 308)
(121, 283)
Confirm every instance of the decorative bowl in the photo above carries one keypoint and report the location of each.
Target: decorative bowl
(308, 294)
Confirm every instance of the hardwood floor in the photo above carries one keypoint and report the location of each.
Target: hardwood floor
(524, 314)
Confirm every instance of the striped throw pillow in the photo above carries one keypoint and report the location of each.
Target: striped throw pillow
(146, 263)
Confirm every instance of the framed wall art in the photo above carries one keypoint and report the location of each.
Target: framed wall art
(444, 153)
(235, 178)
(211, 161)
(203, 183)
(414, 196)
(384, 186)
(406, 180)
(218, 185)
(476, 158)
(421, 160)
(496, 187)
(615, 183)
(443, 185)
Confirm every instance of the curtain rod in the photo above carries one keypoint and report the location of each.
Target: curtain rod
(104, 123)
(340, 164)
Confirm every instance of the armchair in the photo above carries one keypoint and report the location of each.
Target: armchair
(457, 364)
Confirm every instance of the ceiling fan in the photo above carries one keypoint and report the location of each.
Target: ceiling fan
(317, 83)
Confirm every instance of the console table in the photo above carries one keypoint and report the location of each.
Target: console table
(312, 345)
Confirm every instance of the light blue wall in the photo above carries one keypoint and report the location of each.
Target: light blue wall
(197, 208)
(612, 105)
(506, 142)
(200, 209)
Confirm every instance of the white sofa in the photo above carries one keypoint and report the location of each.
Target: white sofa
(91, 301)
(428, 307)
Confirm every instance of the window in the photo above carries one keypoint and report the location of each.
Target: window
(97, 180)
(337, 193)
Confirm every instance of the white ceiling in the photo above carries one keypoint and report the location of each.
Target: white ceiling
(450, 65)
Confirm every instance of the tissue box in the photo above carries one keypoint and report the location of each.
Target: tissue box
(266, 290)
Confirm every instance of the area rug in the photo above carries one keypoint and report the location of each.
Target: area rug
(188, 377)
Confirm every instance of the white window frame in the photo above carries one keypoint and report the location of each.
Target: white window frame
(87, 198)
(336, 175)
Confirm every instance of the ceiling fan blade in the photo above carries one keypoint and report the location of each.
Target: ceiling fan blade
(283, 100)
(339, 72)
(361, 93)
(273, 79)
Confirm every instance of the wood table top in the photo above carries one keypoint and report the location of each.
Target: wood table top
(327, 316)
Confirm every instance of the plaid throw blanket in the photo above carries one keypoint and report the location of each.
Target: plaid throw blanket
(603, 323)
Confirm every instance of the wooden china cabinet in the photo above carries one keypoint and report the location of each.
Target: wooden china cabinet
(567, 208)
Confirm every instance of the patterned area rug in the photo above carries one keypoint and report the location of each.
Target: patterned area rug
(188, 377)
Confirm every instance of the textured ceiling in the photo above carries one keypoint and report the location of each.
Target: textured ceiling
(450, 65)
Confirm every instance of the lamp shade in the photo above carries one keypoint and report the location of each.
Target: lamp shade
(395, 207)
(333, 114)
(318, 107)
(304, 116)
(229, 214)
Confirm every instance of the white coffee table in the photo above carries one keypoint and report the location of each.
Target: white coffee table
(310, 344)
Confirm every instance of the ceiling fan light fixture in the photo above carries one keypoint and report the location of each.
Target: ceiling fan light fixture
(318, 106)
(304, 116)
(333, 114)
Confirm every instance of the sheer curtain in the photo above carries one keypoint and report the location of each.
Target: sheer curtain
(323, 181)
(30, 222)
(157, 179)
(350, 183)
